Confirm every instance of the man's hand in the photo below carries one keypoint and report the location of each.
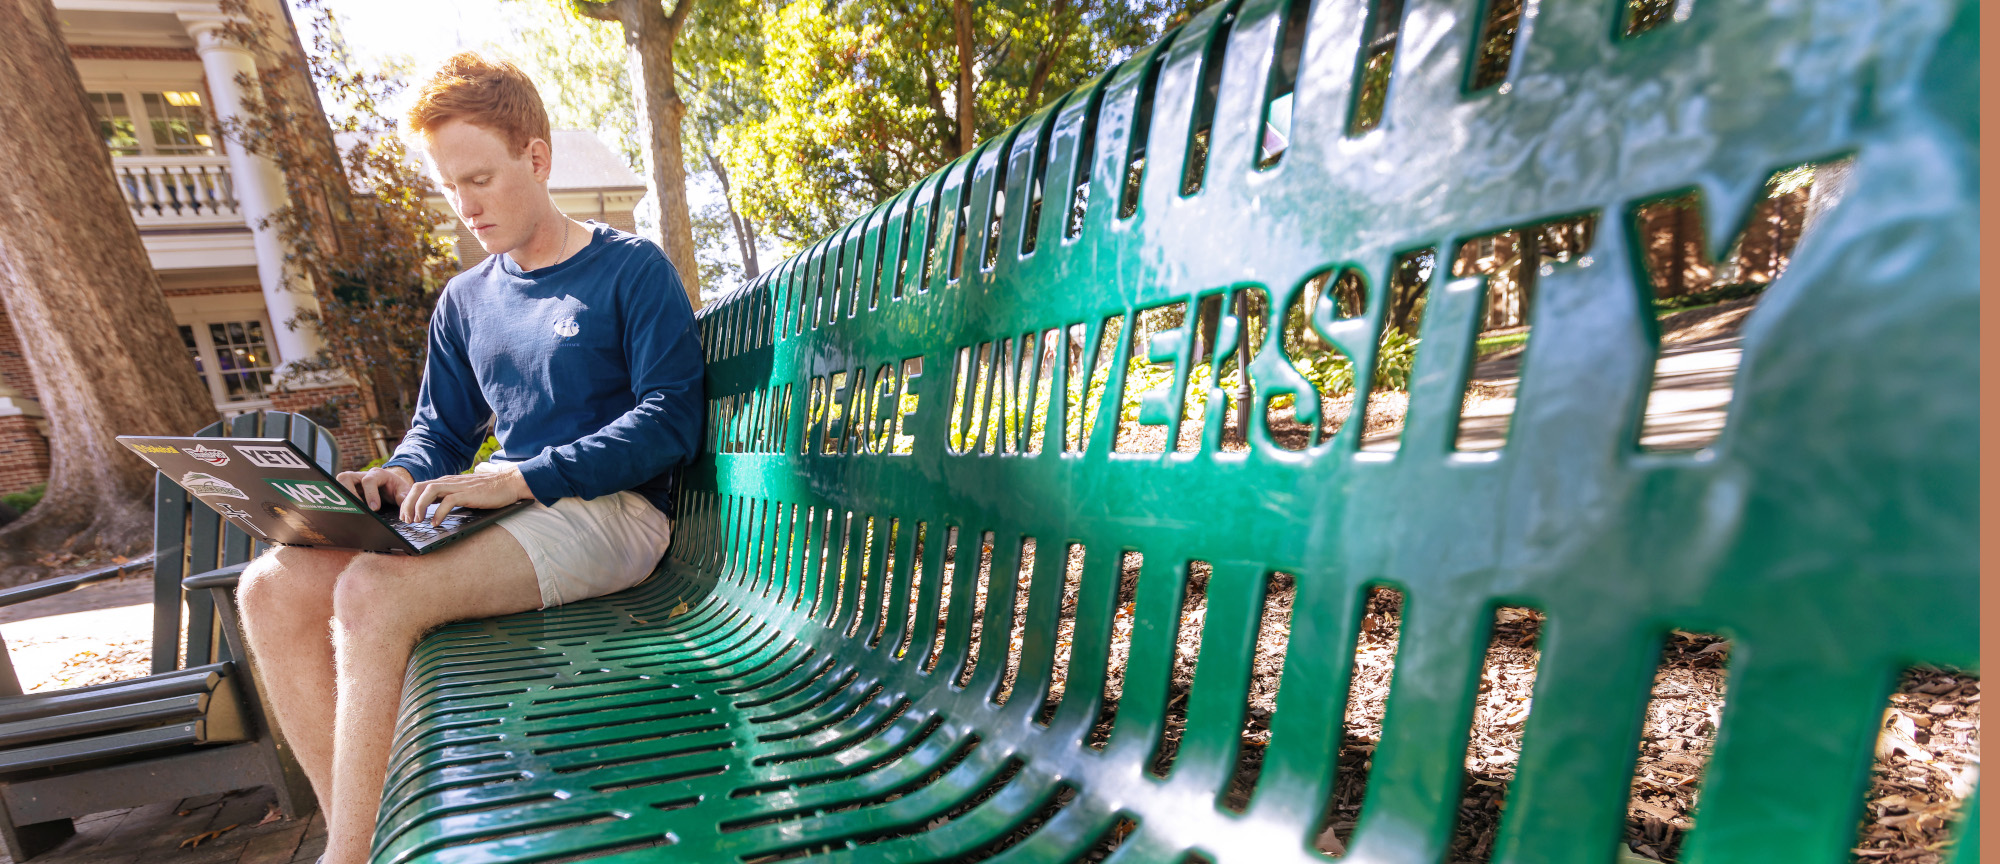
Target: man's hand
(484, 491)
(377, 484)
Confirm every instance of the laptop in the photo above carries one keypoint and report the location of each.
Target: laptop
(268, 488)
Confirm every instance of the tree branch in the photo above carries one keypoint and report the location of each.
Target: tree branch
(677, 19)
(1046, 62)
(601, 10)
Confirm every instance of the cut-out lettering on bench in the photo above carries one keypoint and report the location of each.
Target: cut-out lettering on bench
(1701, 299)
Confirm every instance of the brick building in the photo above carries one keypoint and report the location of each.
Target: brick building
(159, 75)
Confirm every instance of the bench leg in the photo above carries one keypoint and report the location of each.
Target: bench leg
(23, 842)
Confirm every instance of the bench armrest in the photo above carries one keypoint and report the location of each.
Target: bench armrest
(64, 584)
(221, 577)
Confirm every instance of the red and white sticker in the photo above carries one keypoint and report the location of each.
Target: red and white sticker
(207, 454)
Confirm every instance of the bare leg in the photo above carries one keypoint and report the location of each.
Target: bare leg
(381, 605)
(287, 600)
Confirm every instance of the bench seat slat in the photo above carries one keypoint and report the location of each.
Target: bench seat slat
(103, 746)
(200, 679)
(152, 713)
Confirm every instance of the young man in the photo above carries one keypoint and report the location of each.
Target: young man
(576, 343)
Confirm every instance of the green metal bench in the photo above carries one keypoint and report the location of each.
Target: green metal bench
(790, 683)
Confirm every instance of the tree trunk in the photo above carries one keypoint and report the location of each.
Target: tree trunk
(746, 233)
(650, 33)
(99, 338)
(968, 90)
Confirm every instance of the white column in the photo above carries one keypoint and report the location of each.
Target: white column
(260, 188)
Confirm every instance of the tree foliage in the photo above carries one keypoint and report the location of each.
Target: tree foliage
(360, 235)
(578, 65)
(859, 99)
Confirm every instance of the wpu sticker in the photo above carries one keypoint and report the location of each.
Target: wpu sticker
(207, 454)
(314, 495)
(209, 484)
(264, 456)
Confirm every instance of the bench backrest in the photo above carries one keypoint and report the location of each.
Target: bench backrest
(1829, 530)
(190, 538)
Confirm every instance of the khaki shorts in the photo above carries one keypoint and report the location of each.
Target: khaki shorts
(583, 549)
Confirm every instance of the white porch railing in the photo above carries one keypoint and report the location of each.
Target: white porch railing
(177, 190)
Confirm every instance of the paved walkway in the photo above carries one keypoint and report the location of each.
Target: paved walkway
(157, 832)
(1685, 410)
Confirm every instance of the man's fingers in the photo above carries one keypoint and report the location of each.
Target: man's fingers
(368, 493)
(347, 479)
(411, 502)
(445, 503)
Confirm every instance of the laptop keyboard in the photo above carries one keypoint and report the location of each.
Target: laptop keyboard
(420, 533)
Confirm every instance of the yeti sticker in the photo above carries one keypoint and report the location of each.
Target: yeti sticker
(566, 327)
(265, 456)
(314, 495)
(206, 454)
(208, 484)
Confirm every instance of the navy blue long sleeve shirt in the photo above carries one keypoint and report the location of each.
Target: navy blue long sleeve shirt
(589, 372)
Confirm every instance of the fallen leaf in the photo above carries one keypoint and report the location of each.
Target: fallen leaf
(1655, 811)
(1901, 735)
(1329, 843)
(679, 609)
(196, 841)
(270, 816)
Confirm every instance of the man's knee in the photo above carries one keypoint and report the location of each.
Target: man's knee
(287, 580)
(378, 594)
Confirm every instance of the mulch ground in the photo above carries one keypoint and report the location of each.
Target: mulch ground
(1926, 766)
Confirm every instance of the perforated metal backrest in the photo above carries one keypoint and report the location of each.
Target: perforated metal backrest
(189, 538)
(1829, 530)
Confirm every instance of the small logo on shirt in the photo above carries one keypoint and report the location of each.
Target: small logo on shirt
(566, 327)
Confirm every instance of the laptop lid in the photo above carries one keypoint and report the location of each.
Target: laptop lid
(270, 489)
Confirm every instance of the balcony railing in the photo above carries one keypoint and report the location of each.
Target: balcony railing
(177, 190)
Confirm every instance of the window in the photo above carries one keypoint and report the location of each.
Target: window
(114, 123)
(232, 358)
(175, 121)
(180, 125)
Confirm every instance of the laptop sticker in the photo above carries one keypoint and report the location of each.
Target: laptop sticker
(152, 448)
(313, 495)
(296, 522)
(233, 512)
(265, 456)
(207, 454)
(209, 484)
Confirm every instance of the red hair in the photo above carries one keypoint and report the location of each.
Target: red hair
(493, 95)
